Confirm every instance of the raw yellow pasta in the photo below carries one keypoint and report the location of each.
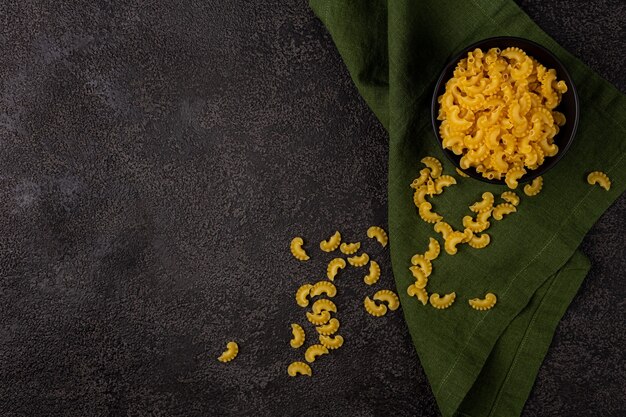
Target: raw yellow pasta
(298, 336)
(454, 239)
(378, 233)
(322, 305)
(483, 205)
(419, 196)
(421, 280)
(374, 309)
(600, 178)
(510, 197)
(483, 216)
(479, 242)
(331, 343)
(442, 302)
(423, 263)
(334, 266)
(443, 181)
(444, 228)
(421, 180)
(389, 297)
(474, 226)
(501, 209)
(512, 177)
(485, 303)
(419, 293)
(358, 261)
(302, 295)
(318, 319)
(329, 328)
(297, 250)
(299, 368)
(433, 249)
(434, 165)
(461, 173)
(323, 287)
(534, 187)
(427, 215)
(332, 243)
(350, 248)
(313, 351)
(232, 349)
(374, 274)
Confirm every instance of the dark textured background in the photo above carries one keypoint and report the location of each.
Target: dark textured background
(156, 159)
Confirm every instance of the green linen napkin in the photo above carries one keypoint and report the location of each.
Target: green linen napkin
(478, 363)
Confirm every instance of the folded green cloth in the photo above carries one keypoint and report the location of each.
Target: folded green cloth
(478, 363)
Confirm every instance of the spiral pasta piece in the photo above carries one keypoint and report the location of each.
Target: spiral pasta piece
(534, 187)
(423, 263)
(297, 250)
(434, 165)
(322, 305)
(433, 249)
(427, 215)
(332, 243)
(323, 287)
(334, 342)
(374, 273)
(350, 248)
(479, 242)
(510, 197)
(444, 181)
(313, 351)
(358, 261)
(484, 205)
(444, 228)
(485, 303)
(299, 368)
(502, 209)
(232, 349)
(318, 319)
(419, 293)
(389, 297)
(298, 336)
(329, 328)
(302, 295)
(600, 178)
(376, 310)
(378, 233)
(333, 268)
(442, 302)
(421, 280)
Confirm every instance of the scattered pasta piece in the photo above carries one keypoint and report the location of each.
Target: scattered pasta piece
(378, 233)
(433, 249)
(322, 305)
(444, 181)
(318, 319)
(501, 209)
(483, 304)
(419, 196)
(298, 336)
(334, 266)
(510, 197)
(421, 180)
(483, 216)
(454, 239)
(420, 277)
(600, 178)
(444, 228)
(358, 261)
(332, 243)
(419, 293)
(534, 187)
(427, 215)
(389, 297)
(299, 368)
(329, 328)
(424, 264)
(484, 205)
(434, 165)
(302, 295)
(374, 309)
(232, 349)
(474, 226)
(323, 287)
(332, 343)
(313, 351)
(461, 173)
(350, 248)
(442, 302)
(479, 242)
(297, 250)
(374, 274)
(512, 177)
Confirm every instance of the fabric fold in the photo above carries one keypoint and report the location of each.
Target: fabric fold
(478, 363)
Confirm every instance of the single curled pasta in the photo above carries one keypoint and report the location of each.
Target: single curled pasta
(374, 273)
(444, 228)
(318, 319)
(322, 305)
(329, 328)
(443, 181)
(433, 249)
(334, 342)
(376, 310)
(419, 196)
(299, 368)
(433, 165)
(479, 242)
(512, 177)
(510, 197)
(454, 239)
(423, 263)
(297, 250)
(298, 336)
(427, 215)
(485, 303)
(350, 248)
(600, 178)
(421, 280)
(358, 261)
(302, 295)
(323, 287)
(389, 297)
(474, 226)
(332, 243)
(442, 302)
(334, 266)
(232, 349)
(501, 209)
(419, 293)
(313, 351)
(378, 233)
(483, 205)
(534, 187)
(421, 180)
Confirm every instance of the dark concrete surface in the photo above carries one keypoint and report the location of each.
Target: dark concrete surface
(156, 159)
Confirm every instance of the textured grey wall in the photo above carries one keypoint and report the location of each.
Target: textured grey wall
(156, 159)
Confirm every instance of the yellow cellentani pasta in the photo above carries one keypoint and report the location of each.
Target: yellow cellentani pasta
(374, 273)
(232, 349)
(332, 243)
(498, 113)
(298, 336)
(483, 303)
(600, 178)
(534, 187)
(299, 368)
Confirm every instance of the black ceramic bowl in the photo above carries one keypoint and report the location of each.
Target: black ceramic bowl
(569, 102)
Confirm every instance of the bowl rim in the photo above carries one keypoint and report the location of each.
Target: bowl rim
(531, 174)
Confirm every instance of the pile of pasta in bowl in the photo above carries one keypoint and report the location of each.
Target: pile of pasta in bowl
(498, 113)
